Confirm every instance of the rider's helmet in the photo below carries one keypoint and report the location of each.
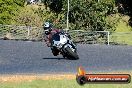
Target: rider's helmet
(47, 27)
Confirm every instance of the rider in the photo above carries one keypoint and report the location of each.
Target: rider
(49, 32)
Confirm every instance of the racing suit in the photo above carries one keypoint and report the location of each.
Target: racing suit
(48, 39)
(48, 36)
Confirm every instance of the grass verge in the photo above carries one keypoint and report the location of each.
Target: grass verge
(123, 32)
(59, 84)
(52, 81)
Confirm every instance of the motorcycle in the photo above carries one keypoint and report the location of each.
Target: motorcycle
(62, 43)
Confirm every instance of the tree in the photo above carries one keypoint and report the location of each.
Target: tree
(90, 14)
(125, 7)
(54, 5)
(84, 14)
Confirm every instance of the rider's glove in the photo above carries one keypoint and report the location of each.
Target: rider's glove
(47, 33)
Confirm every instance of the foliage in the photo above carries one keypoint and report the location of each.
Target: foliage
(125, 8)
(90, 15)
(28, 17)
(84, 14)
(36, 15)
(54, 5)
(8, 9)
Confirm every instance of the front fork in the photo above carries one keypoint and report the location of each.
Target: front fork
(70, 46)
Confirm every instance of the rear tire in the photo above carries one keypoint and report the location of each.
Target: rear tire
(71, 55)
(55, 52)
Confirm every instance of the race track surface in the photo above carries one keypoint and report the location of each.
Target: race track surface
(36, 57)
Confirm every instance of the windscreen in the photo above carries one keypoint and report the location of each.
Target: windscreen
(56, 37)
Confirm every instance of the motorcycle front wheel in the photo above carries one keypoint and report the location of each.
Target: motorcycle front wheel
(71, 55)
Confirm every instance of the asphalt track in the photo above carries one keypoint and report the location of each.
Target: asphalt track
(35, 57)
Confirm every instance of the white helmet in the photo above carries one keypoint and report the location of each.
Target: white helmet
(47, 27)
(46, 24)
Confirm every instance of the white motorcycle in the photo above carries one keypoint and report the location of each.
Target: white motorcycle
(62, 43)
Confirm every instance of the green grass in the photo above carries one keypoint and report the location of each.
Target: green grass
(59, 84)
(123, 32)
(123, 26)
(121, 38)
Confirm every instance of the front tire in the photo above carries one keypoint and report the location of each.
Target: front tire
(71, 55)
